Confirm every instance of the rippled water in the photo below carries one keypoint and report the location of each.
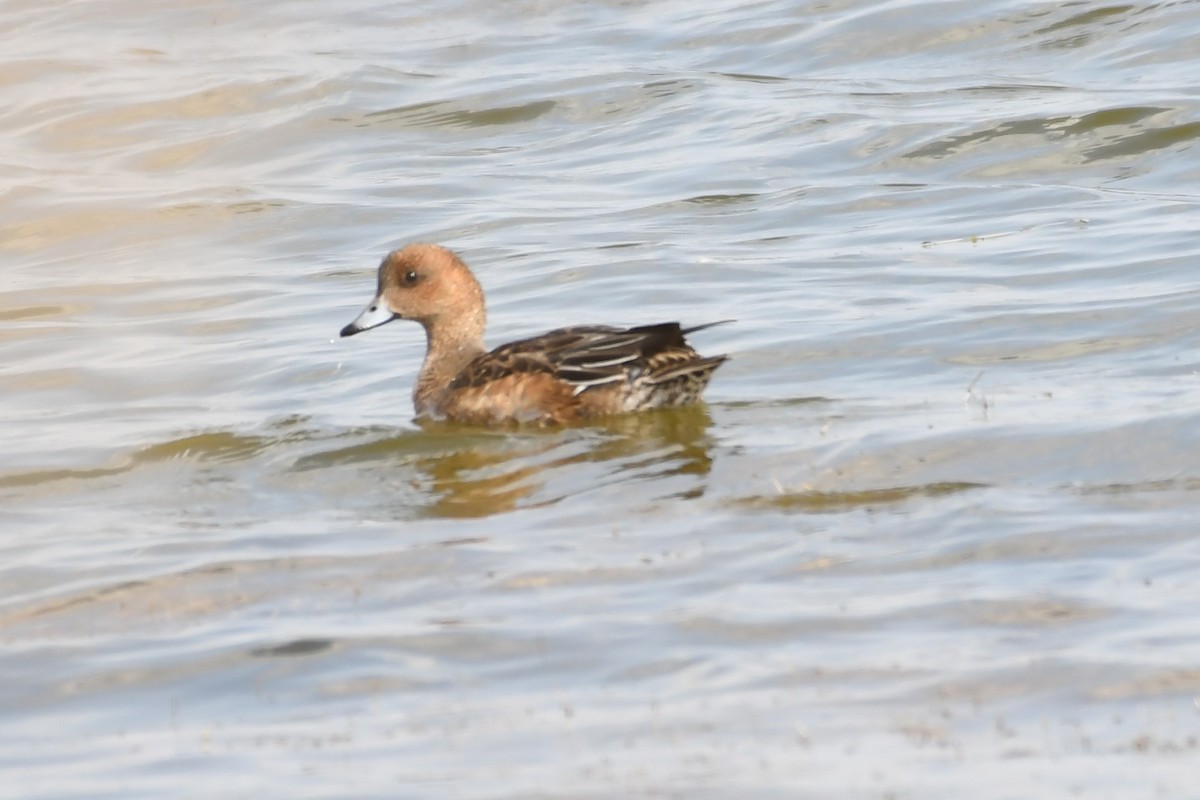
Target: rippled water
(934, 534)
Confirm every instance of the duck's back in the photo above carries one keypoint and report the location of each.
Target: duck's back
(579, 372)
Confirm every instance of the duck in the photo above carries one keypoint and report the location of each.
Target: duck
(555, 378)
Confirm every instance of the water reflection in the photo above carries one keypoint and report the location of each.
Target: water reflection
(464, 472)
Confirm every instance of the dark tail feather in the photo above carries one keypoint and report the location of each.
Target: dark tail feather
(686, 331)
(662, 335)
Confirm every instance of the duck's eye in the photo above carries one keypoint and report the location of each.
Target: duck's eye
(410, 277)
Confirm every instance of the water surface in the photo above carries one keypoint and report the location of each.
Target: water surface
(933, 535)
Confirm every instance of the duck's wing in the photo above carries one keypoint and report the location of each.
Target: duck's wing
(609, 356)
(587, 370)
(538, 354)
(648, 354)
(593, 355)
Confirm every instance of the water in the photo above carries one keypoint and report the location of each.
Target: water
(932, 536)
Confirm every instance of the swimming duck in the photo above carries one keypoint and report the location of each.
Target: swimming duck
(561, 376)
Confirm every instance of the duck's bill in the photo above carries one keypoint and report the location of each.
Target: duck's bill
(372, 316)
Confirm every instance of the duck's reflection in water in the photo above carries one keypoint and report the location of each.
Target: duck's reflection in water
(500, 473)
(460, 471)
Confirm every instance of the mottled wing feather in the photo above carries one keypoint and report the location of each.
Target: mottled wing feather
(497, 365)
(677, 365)
(598, 357)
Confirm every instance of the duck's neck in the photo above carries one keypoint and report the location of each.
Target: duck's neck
(447, 353)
